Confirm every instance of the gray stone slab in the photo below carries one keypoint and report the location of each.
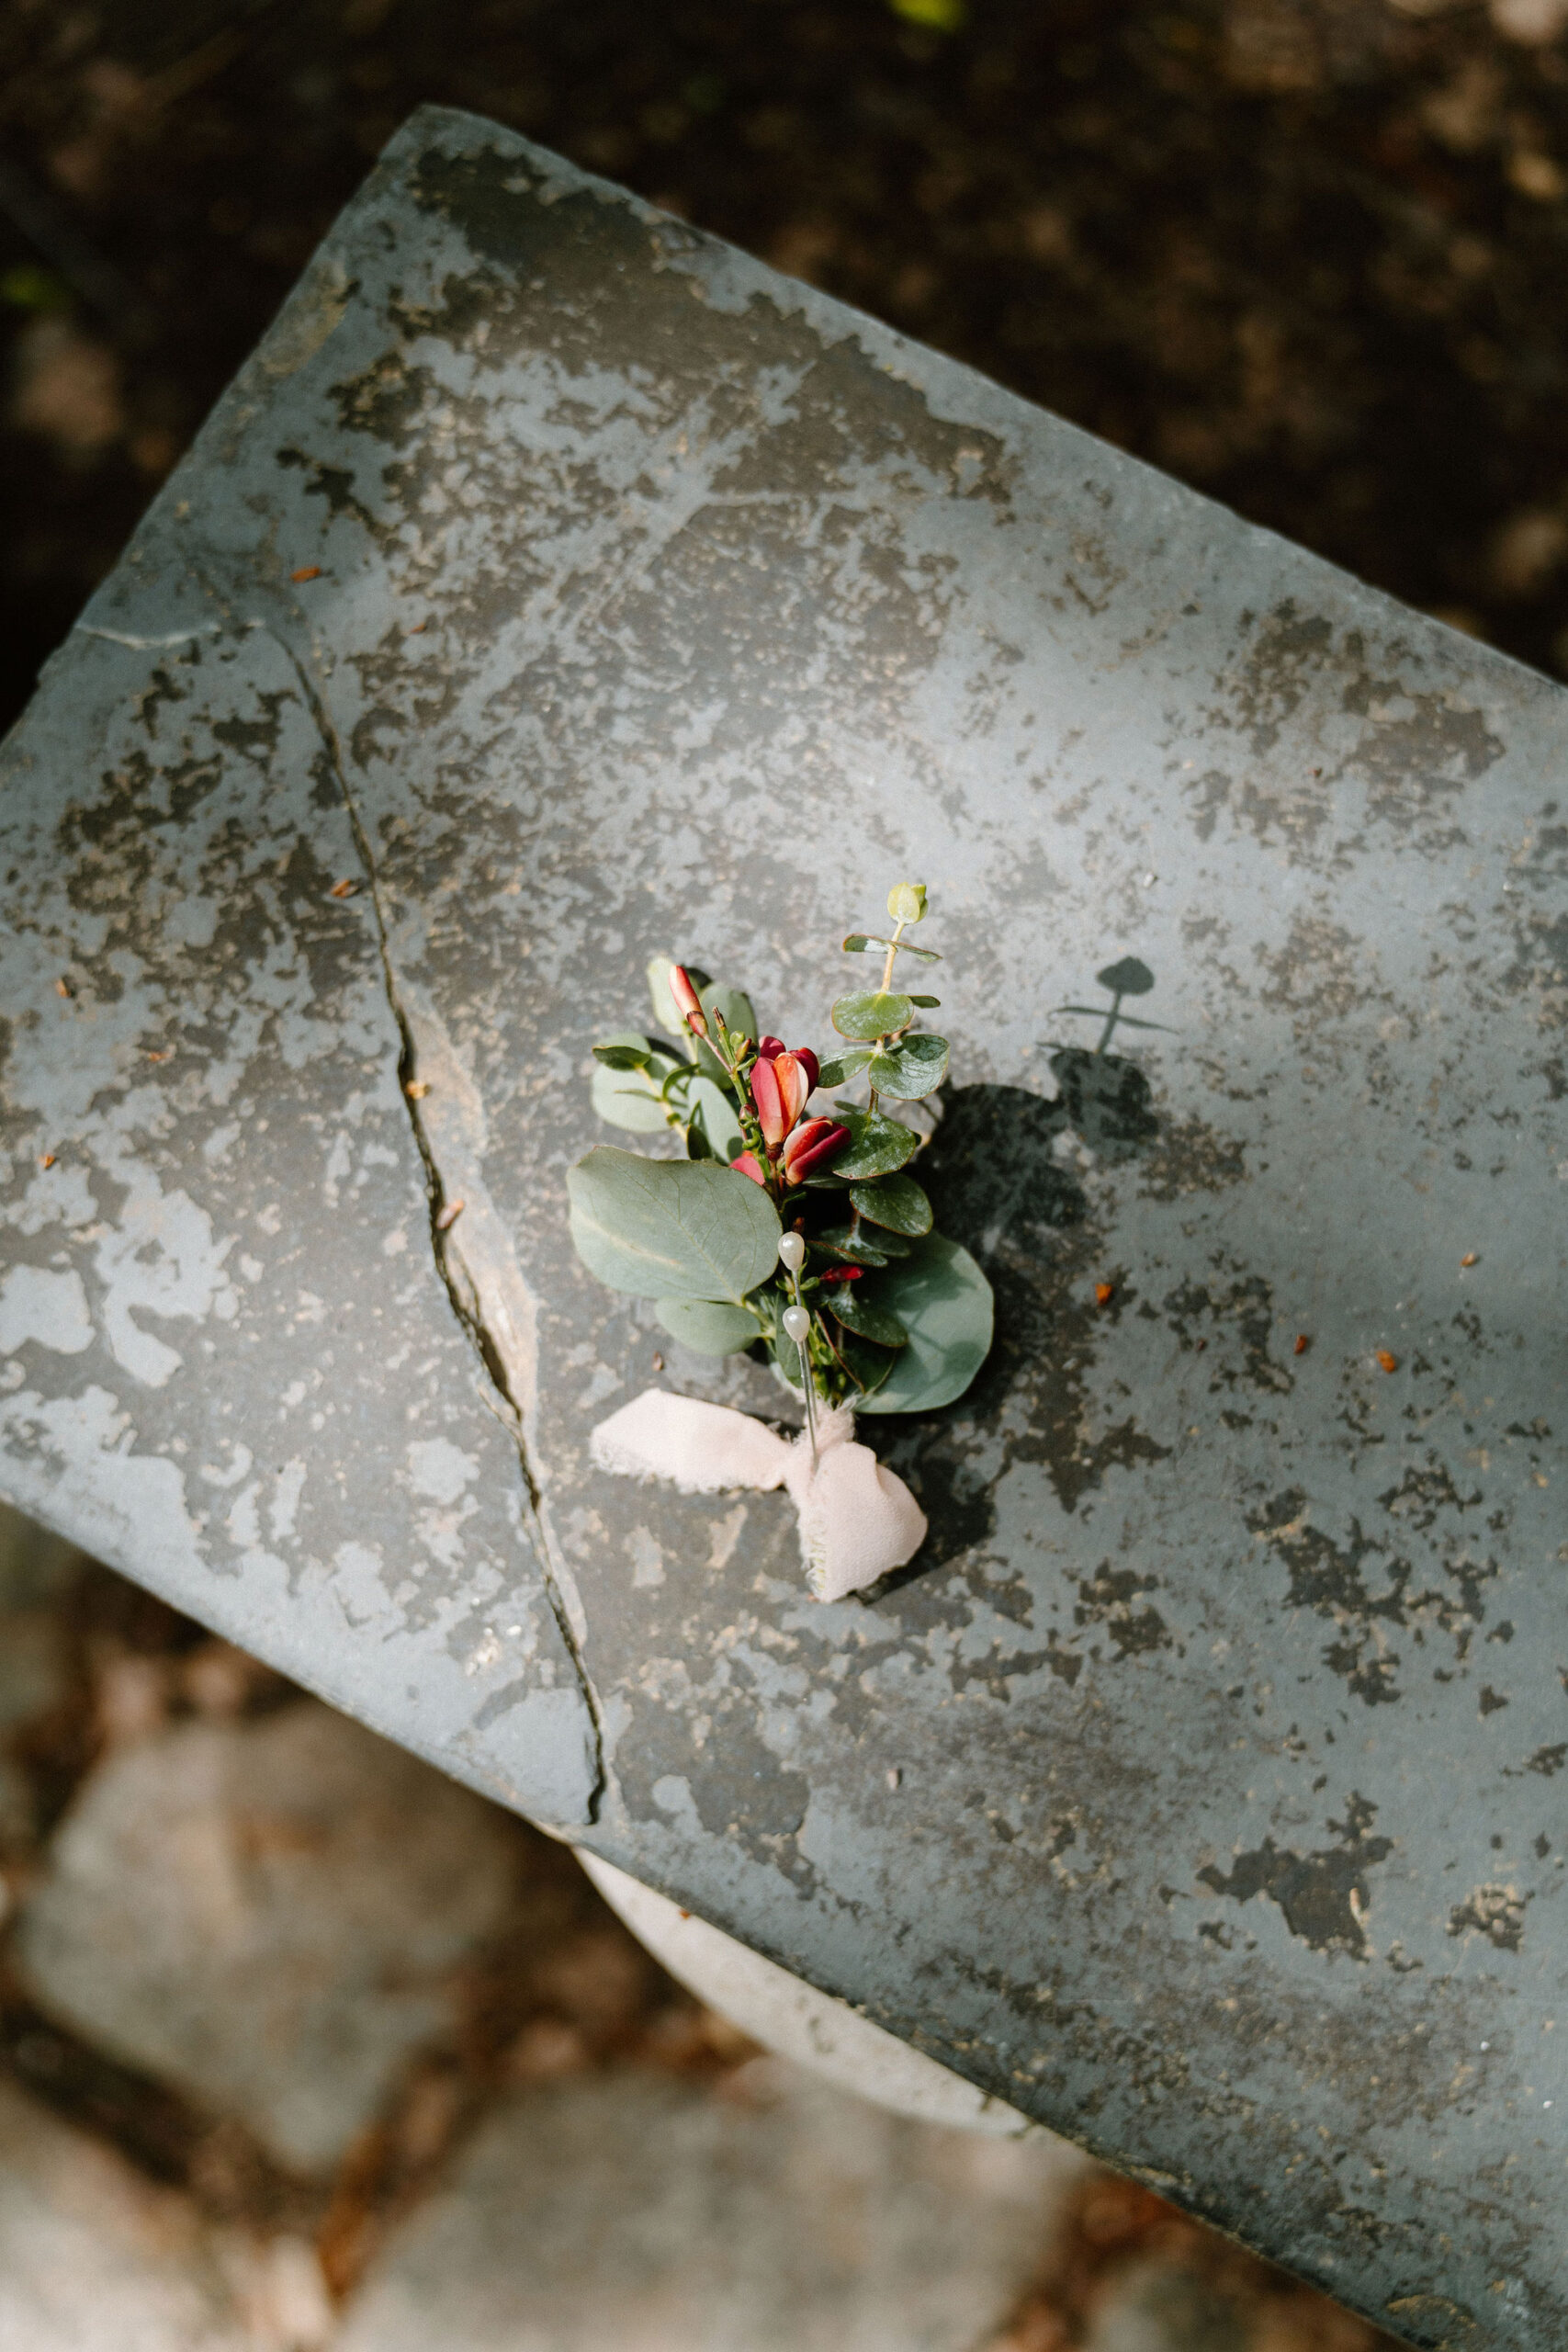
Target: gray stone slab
(270, 1916)
(660, 603)
(652, 2215)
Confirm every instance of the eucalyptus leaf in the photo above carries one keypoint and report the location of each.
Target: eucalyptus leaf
(630, 1097)
(859, 940)
(855, 1249)
(944, 1303)
(857, 1313)
(711, 1327)
(871, 1366)
(666, 1013)
(926, 1003)
(895, 1201)
(632, 1056)
(870, 1014)
(671, 1228)
(712, 1110)
(844, 1066)
(913, 1068)
(876, 1146)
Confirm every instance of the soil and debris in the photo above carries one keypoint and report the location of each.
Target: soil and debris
(1304, 253)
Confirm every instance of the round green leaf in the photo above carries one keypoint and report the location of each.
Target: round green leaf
(842, 1244)
(713, 1328)
(869, 1014)
(944, 1303)
(860, 942)
(843, 1065)
(870, 1365)
(857, 1313)
(876, 1146)
(630, 1098)
(713, 1110)
(916, 1065)
(896, 1201)
(671, 1228)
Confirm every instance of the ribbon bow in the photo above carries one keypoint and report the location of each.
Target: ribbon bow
(857, 1520)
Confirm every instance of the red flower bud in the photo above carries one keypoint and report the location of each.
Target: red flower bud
(767, 1095)
(843, 1274)
(779, 1089)
(687, 1002)
(809, 1145)
(808, 1063)
(748, 1165)
(768, 1046)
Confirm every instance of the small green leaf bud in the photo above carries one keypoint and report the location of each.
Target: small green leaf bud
(907, 901)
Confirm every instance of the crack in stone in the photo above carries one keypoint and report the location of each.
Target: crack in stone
(464, 1295)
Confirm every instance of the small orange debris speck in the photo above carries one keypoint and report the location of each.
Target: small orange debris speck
(63, 988)
(166, 1056)
(1468, 1258)
(448, 1215)
(1389, 1362)
(344, 889)
(307, 572)
(418, 628)
(48, 1160)
(417, 1088)
(1104, 1292)
(1302, 1344)
(659, 1363)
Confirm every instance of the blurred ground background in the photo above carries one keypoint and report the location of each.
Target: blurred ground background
(1307, 255)
(285, 2022)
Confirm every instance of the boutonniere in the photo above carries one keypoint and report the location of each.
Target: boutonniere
(793, 1228)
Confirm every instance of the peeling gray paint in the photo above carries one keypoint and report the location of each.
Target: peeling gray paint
(1197, 1789)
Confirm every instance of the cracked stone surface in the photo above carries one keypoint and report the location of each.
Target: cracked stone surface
(653, 2215)
(266, 1916)
(556, 587)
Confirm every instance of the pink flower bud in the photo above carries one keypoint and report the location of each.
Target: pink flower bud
(808, 1063)
(810, 1145)
(768, 1095)
(843, 1274)
(687, 1002)
(794, 1085)
(767, 1047)
(748, 1165)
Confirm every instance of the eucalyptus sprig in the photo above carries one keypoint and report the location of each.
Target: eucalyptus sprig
(783, 1230)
